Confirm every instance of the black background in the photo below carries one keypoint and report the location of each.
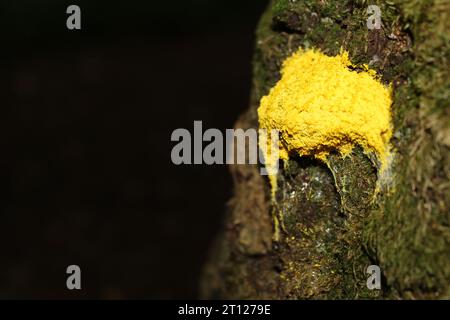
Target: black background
(86, 118)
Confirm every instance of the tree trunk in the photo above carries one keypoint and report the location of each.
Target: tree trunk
(332, 228)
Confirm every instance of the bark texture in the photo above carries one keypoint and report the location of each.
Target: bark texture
(331, 228)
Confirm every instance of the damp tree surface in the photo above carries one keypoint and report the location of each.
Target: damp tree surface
(335, 221)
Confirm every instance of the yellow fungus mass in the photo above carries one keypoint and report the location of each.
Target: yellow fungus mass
(321, 105)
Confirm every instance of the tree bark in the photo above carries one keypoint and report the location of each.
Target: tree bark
(332, 229)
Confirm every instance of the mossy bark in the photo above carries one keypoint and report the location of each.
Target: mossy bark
(333, 223)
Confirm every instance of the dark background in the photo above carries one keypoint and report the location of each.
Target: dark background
(86, 118)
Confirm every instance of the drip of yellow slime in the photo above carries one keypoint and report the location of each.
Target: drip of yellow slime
(320, 105)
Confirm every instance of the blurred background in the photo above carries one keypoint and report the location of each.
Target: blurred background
(86, 119)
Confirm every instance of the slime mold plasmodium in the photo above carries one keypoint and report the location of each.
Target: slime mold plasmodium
(322, 105)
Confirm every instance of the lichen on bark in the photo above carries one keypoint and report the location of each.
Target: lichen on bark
(332, 227)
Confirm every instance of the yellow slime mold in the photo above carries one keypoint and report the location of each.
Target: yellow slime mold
(321, 105)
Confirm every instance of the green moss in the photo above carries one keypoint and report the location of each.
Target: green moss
(411, 263)
(280, 6)
(410, 230)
